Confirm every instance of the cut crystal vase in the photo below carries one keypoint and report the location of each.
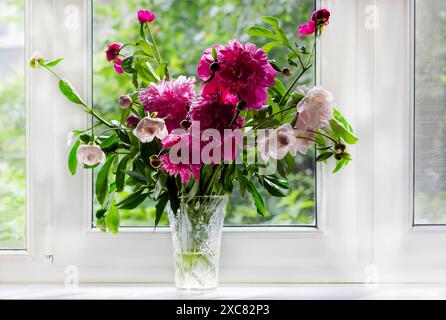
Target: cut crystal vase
(196, 233)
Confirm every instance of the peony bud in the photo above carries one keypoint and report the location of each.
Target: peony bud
(214, 66)
(149, 128)
(90, 154)
(185, 124)
(155, 161)
(125, 102)
(132, 121)
(146, 16)
(36, 60)
(241, 105)
(286, 72)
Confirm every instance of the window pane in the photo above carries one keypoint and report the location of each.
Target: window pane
(189, 27)
(430, 112)
(12, 125)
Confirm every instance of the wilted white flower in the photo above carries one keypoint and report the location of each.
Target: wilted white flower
(304, 139)
(90, 154)
(35, 60)
(316, 108)
(278, 143)
(149, 128)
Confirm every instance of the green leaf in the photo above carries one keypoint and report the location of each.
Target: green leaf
(338, 116)
(279, 86)
(133, 200)
(258, 31)
(339, 164)
(69, 92)
(72, 159)
(258, 201)
(270, 45)
(271, 21)
(172, 192)
(324, 156)
(102, 180)
(127, 65)
(214, 54)
(160, 206)
(277, 181)
(112, 219)
(109, 142)
(53, 63)
(120, 173)
(272, 188)
(137, 176)
(342, 132)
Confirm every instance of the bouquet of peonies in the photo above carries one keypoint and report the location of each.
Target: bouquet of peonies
(179, 138)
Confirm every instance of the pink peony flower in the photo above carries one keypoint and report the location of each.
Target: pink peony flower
(306, 29)
(174, 166)
(145, 16)
(112, 54)
(243, 70)
(90, 154)
(171, 99)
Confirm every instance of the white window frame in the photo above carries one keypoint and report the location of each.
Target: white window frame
(364, 231)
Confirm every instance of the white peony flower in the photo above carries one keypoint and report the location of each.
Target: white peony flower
(316, 108)
(278, 143)
(90, 154)
(149, 128)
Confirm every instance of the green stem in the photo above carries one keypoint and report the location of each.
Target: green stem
(87, 108)
(109, 129)
(158, 56)
(271, 116)
(304, 69)
(324, 135)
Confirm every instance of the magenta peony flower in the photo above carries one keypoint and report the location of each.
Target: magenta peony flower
(174, 166)
(112, 51)
(216, 111)
(112, 54)
(145, 16)
(243, 69)
(321, 17)
(171, 99)
(306, 29)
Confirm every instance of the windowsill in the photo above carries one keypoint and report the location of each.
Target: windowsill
(291, 292)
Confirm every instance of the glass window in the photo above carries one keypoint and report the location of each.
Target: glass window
(430, 112)
(12, 125)
(186, 28)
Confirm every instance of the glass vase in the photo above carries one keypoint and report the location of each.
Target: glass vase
(196, 233)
